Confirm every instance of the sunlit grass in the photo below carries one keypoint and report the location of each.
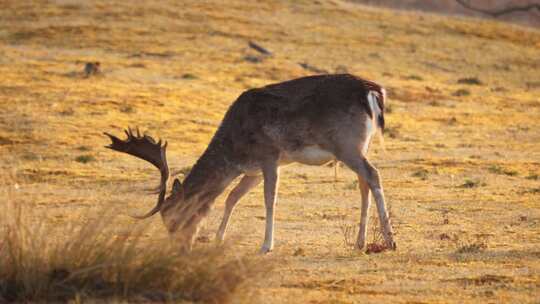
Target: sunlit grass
(40, 261)
(462, 156)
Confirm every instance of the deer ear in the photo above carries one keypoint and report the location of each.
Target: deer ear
(177, 187)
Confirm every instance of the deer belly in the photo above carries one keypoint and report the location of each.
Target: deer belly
(311, 155)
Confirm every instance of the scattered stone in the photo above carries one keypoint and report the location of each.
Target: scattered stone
(470, 81)
(91, 69)
(259, 48)
(311, 68)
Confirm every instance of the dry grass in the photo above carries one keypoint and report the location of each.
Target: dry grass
(93, 261)
(462, 136)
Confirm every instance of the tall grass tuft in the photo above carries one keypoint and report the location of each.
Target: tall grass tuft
(43, 263)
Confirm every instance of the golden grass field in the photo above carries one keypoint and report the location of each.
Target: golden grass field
(461, 168)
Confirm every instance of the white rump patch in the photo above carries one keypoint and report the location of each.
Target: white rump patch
(371, 124)
(372, 100)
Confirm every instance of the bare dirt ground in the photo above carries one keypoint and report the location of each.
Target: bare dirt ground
(461, 167)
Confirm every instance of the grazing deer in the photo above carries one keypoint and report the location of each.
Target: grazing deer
(310, 120)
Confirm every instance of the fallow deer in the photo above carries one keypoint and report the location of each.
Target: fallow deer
(310, 120)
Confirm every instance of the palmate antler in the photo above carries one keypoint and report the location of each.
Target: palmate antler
(145, 147)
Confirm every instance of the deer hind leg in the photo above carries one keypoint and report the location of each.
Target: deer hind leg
(366, 202)
(244, 186)
(361, 166)
(271, 178)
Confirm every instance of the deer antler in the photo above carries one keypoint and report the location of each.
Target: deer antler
(145, 147)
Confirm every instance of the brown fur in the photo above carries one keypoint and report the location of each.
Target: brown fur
(306, 112)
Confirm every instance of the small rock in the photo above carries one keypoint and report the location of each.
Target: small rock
(470, 81)
(91, 69)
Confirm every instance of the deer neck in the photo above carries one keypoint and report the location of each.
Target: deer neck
(210, 175)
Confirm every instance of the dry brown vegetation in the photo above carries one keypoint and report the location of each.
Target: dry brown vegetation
(460, 169)
(92, 259)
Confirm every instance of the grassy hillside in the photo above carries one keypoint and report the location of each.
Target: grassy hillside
(462, 162)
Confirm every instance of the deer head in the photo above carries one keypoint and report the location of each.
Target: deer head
(145, 147)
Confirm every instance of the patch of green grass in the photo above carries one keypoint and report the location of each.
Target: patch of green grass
(84, 148)
(30, 156)
(469, 183)
(189, 76)
(461, 92)
(503, 171)
(421, 174)
(468, 245)
(470, 81)
(534, 190)
(474, 247)
(84, 159)
(533, 176)
(414, 77)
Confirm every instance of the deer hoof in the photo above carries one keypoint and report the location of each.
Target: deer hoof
(359, 246)
(265, 250)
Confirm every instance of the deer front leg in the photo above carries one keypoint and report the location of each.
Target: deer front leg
(366, 202)
(246, 183)
(271, 177)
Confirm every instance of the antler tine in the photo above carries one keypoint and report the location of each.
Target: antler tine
(145, 147)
